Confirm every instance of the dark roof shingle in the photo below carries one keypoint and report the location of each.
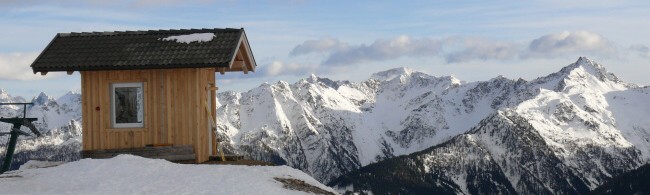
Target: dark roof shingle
(123, 50)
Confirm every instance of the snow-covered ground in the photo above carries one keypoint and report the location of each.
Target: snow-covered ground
(127, 174)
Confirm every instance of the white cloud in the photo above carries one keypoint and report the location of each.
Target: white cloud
(16, 66)
(281, 68)
(323, 45)
(383, 49)
(482, 49)
(642, 50)
(569, 43)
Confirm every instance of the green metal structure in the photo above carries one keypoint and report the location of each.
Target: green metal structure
(15, 132)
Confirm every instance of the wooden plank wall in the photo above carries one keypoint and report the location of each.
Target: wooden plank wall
(174, 109)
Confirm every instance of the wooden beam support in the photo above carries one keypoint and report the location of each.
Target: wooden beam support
(43, 73)
(70, 72)
(245, 69)
(237, 64)
(243, 49)
(239, 56)
(222, 71)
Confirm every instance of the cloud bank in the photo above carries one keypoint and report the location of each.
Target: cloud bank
(562, 43)
(282, 68)
(458, 50)
(16, 66)
(323, 45)
(642, 50)
(386, 49)
(382, 49)
(482, 49)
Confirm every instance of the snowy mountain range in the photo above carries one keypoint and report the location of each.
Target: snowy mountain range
(567, 132)
(58, 119)
(583, 123)
(575, 129)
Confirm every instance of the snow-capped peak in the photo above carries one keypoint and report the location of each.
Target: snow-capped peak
(41, 99)
(392, 73)
(584, 73)
(454, 80)
(328, 82)
(4, 96)
(499, 78)
(69, 95)
(585, 65)
(70, 99)
(586, 61)
(312, 78)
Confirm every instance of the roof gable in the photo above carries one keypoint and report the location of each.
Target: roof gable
(125, 50)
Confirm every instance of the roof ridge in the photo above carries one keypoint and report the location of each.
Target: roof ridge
(160, 31)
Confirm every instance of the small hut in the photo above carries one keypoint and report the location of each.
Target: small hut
(149, 93)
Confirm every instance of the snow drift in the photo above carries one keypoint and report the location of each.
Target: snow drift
(127, 174)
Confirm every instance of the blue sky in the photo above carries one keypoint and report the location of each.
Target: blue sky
(349, 40)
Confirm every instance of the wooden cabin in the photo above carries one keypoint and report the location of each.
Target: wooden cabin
(149, 91)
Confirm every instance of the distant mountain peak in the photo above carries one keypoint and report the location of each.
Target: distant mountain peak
(454, 80)
(593, 68)
(329, 82)
(500, 77)
(312, 78)
(390, 74)
(41, 99)
(70, 98)
(579, 72)
(584, 59)
(72, 93)
(4, 94)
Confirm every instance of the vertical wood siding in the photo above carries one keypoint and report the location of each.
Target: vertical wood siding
(174, 101)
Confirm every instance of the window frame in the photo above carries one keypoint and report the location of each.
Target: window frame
(114, 123)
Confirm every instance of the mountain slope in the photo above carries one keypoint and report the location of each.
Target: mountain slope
(328, 128)
(631, 182)
(580, 127)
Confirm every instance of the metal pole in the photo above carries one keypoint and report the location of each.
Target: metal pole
(10, 149)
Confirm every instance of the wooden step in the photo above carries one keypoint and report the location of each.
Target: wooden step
(171, 153)
(179, 157)
(228, 157)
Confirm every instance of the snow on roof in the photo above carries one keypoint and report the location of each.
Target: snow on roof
(127, 174)
(198, 37)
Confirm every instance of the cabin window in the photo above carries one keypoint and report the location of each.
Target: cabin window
(127, 105)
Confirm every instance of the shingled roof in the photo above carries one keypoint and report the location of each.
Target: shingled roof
(126, 50)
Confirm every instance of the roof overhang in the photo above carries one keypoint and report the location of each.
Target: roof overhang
(228, 51)
(242, 59)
